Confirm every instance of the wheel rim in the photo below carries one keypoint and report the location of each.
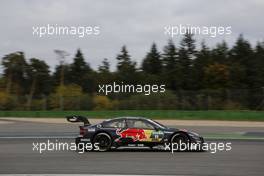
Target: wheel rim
(103, 141)
(179, 139)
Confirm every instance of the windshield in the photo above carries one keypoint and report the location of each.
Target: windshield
(157, 124)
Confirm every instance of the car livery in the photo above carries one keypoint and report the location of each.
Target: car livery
(127, 131)
(140, 135)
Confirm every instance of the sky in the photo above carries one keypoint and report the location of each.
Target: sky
(136, 24)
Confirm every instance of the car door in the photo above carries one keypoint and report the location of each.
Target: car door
(115, 127)
(139, 130)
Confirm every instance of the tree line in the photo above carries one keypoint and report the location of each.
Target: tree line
(196, 77)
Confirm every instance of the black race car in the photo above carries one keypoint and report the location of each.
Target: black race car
(131, 131)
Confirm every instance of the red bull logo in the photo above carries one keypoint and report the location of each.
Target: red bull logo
(135, 134)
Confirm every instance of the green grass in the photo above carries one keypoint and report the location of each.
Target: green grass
(155, 114)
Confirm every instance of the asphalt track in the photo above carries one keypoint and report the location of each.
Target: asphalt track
(17, 155)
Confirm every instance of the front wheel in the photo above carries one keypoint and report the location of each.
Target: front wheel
(103, 142)
(181, 140)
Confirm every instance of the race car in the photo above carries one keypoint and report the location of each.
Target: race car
(129, 132)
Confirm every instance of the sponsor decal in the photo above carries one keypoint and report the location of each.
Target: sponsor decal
(140, 135)
(133, 133)
(91, 129)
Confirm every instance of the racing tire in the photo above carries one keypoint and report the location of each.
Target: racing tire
(103, 141)
(180, 139)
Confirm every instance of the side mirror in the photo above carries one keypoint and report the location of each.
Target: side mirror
(157, 129)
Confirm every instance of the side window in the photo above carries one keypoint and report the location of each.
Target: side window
(114, 124)
(130, 123)
(139, 124)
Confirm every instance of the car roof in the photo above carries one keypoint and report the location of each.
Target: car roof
(128, 117)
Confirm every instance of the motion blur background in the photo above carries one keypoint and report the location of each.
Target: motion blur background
(200, 72)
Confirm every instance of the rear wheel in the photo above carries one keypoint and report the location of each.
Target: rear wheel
(103, 141)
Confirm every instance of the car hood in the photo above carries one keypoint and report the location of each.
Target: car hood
(183, 130)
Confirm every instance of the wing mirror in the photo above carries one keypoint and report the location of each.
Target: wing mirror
(157, 128)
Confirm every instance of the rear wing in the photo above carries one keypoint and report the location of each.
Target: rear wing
(76, 118)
